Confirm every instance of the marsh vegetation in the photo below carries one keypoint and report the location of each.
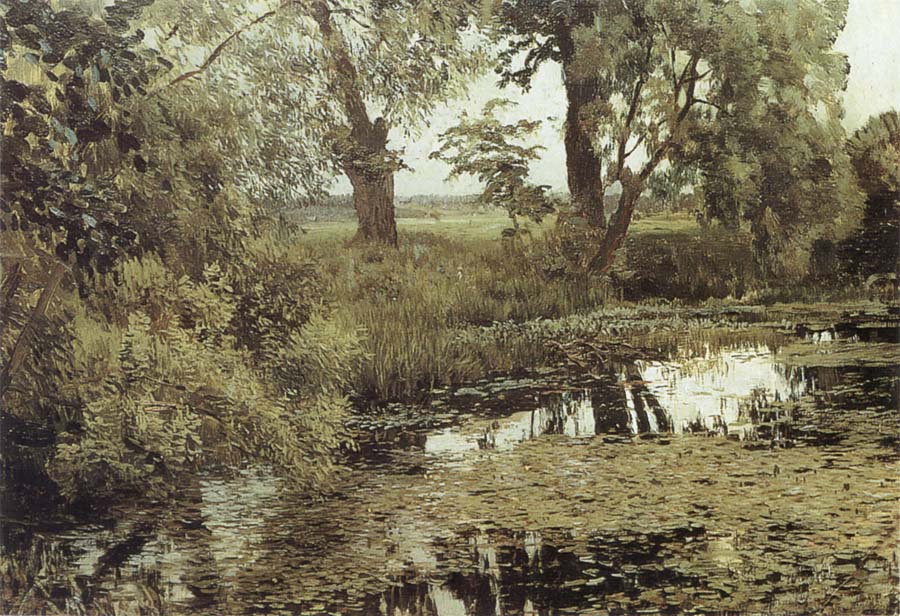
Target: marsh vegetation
(671, 388)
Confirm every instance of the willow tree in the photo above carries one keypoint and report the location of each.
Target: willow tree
(737, 98)
(331, 81)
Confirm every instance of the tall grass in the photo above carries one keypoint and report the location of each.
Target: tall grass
(435, 312)
(451, 307)
(414, 303)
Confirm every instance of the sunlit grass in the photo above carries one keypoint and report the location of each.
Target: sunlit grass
(489, 225)
(458, 226)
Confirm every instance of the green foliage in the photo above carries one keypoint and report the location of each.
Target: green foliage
(738, 98)
(68, 84)
(532, 31)
(162, 387)
(309, 66)
(414, 305)
(688, 266)
(277, 292)
(322, 356)
(875, 152)
(492, 151)
(776, 160)
(161, 353)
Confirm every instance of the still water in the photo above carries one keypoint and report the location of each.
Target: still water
(718, 478)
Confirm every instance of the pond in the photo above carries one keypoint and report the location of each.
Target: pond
(748, 472)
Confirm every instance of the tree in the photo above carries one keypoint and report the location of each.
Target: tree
(344, 75)
(740, 94)
(546, 31)
(875, 152)
(152, 322)
(492, 151)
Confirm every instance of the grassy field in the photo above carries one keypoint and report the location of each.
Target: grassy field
(488, 225)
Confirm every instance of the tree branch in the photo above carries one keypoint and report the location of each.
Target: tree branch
(665, 32)
(698, 77)
(689, 67)
(663, 148)
(17, 355)
(218, 49)
(701, 101)
(365, 132)
(632, 112)
(689, 93)
(636, 145)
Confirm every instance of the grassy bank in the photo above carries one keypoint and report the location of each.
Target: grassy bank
(249, 350)
(445, 309)
(414, 305)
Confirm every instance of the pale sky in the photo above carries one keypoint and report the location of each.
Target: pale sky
(870, 40)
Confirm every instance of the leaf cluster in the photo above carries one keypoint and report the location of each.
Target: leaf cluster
(68, 84)
(493, 152)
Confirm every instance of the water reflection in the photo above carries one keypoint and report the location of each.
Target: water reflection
(727, 392)
(523, 577)
(722, 392)
(569, 413)
(244, 545)
(873, 331)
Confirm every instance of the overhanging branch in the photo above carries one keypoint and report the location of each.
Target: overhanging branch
(632, 112)
(690, 77)
(218, 49)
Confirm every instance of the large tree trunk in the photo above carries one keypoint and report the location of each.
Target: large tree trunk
(362, 146)
(368, 165)
(583, 167)
(373, 198)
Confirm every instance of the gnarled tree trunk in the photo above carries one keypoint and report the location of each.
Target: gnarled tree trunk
(602, 258)
(373, 198)
(362, 147)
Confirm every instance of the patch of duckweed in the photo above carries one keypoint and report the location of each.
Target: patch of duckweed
(841, 353)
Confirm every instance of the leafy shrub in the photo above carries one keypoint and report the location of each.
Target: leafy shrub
(151, 349)
(321, 356)
(151, 383)
(276, 292)
(713, 263)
